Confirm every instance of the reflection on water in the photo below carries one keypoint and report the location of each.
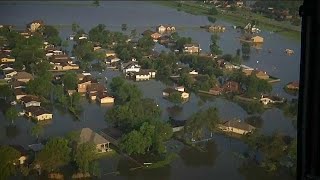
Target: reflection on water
(12, 131)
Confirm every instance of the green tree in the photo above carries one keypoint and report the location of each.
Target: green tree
(84, 51)
(201, 121)
(116, 83)
(212, 19)
(59, 95)
(51, 34)
(213, 11)
(55, 154)
(8, 156)
(74, 100)
(70, 80)
(245, 49)
(133, 143)
(40, 86)
(65, 44)
(175, 97)
(11, 114)
(5, 91)
(84, 155)
(37, 130)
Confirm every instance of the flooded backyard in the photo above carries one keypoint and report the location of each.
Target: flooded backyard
(219, 160)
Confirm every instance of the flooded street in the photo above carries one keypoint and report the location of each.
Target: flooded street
(219, 162)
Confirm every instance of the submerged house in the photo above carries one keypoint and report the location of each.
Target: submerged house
(89, 136)
(38, 113)
(113, 135)
(271, 99)
(236, 126)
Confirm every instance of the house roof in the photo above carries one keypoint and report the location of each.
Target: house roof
(141, 72)
(103, 95)
(177, 123)
(15, 84)
(87, 135)
(294, 84)
(130, 63)
(19, 92)
(87, 79)
(192, 45)
(113, 132)
(29, 98)
(37, 111)
(260, 73)
(60, 56)
(96, 87)
(146, 32)
(23, 75)
(239, 125)
(169, 90)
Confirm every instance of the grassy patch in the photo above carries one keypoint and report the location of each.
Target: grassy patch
(166, 161)
(106, 154)
(3, 82)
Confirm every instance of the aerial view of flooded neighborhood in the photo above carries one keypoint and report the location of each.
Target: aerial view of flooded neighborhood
(149, 89)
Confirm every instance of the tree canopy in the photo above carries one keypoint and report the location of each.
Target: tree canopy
(70, 80)
(11, 114)
(55, 154)
(8, 156)
(84, 156)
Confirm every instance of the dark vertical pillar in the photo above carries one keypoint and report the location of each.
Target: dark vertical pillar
(309, 95)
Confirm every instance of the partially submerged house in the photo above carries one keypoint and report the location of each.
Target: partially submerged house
(192, 48)
(177, 125)
(166, 93)
(30, 100)
(236, 126)
(131, 66)
(38, 113)
(293, 85)
(165, 28)
(105, 98)
(265, 99)
(89, 136)
(231, 87)
(257, 39)
(23, 154)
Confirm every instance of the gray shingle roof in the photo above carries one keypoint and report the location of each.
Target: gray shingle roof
(87, 135)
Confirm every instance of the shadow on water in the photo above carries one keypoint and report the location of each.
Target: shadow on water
(174, 110)
(197, 157)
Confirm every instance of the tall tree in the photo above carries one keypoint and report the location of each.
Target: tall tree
(8, 156)
(84, 155)
(5, 91)
(175, 98)
(70, 80)
(55, 154)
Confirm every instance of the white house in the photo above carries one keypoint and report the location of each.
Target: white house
(271, 99)
(38, 113)
(194, 72)
(131, 66)
(30, 100)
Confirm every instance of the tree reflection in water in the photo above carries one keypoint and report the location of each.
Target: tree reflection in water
(200, 156)
(255, 121)
(174, 111)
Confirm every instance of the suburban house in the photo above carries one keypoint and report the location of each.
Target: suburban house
(231, 87)
(131, 66)
(246, 70)
(38, 113)
(177, 125)
(62, 62)
(19, 93)
(155, 36)
(109, 53)
(193, 72)
(143, 74)
(89, 136)
(261, 74)
(179, 88)
(18, 85)
(25, 34)
(30, 100)
(112, 60)
(105, 98)
(230, 66)
(239, 3)
(289, 51)
(191, 48)
(35, 25)
(6, 59)
(112, 134)
(22, 76)
(166, 92)
(293, 85)
(271, 99)
(165, 28)
(84, 83)
(236, 126)
(257, 39)
(93, 89)
(23, 154)
(9, 74)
